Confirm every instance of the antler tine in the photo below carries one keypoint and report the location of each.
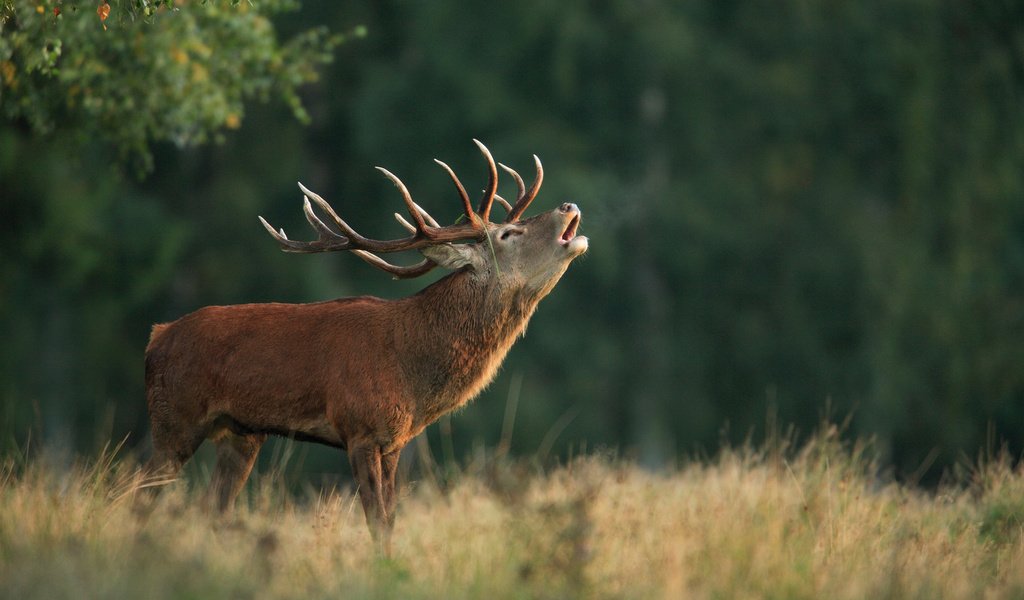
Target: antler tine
(426, 216)
(492, 183)
(467, 206)
(414, 211)
(519, 181)
(504, 203)
(399, 272)
(526, 198)
(324, 206)
(280, 237)
(412, 228)
(408, 226)
(324, 231)
(326, 241)
(519, 185)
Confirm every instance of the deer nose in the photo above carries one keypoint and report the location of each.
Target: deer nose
(568, 207)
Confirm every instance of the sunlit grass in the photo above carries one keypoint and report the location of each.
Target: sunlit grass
(813, 522)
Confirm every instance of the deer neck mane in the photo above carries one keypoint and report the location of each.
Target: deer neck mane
(471, 323)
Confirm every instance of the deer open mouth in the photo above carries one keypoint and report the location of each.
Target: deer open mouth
(570, 230)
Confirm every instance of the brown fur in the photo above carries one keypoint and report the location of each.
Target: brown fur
(363, 374)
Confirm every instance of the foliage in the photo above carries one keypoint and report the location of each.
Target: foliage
(783, 521)
(794, 208)
(179, 72)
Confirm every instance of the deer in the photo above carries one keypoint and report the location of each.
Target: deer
(362, 374)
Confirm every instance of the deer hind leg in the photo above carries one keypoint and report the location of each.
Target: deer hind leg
(236, 455)
(174, 440)
(174, 443)
(368, 471)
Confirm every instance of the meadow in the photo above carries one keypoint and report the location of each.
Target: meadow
(819, 520)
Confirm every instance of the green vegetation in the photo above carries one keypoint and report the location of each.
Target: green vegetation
(157, 73)
(781, 522)
(792, 205)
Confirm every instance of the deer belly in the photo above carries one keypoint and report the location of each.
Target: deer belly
(295, 417)
(308, 430)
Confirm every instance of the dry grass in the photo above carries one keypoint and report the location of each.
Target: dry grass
(812, 523)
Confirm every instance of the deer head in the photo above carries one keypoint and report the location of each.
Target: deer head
(516, 253)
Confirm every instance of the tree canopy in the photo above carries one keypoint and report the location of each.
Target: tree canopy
(150, 71)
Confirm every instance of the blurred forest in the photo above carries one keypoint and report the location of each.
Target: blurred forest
(796, 209)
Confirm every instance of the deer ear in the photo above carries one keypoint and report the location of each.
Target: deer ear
(451, 256)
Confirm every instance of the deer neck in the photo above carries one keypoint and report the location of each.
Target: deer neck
(471, 323)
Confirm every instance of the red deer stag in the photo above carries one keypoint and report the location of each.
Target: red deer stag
(362, 374)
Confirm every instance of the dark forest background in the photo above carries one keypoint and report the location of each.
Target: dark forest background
(797, 210)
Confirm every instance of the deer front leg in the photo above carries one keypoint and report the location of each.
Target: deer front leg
(389, 468)
(368, 471)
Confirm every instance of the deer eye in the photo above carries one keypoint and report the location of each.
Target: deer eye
(509, 233)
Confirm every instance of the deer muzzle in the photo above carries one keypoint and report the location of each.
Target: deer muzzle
(569, 239)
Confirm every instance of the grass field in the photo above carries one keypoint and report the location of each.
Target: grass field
(813, 522)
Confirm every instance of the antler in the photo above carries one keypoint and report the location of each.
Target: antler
(423, 230)
(523, 200)
(525, 196)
